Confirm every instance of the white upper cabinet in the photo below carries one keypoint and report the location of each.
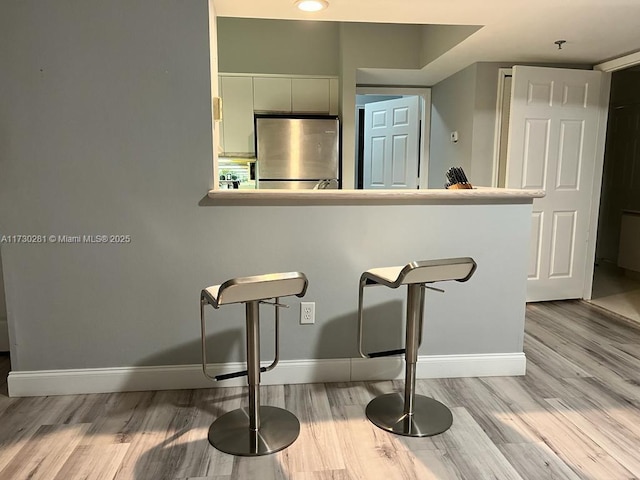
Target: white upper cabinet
(334, 89)
(310, 95)
(272, 94)
(246, 94)
(237, 116)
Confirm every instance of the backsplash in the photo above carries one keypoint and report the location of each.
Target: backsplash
(235, 173)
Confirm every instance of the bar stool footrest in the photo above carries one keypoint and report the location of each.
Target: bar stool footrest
(430, 417)
(387, 353)
(230, 433)
(243, 373)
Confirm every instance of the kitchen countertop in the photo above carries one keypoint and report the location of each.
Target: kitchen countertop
(480, 195)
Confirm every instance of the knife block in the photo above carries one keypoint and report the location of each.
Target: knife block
(460, 186)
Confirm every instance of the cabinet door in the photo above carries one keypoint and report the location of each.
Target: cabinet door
(334, 96)
(272, 94)
(237, 116)
(310, 95)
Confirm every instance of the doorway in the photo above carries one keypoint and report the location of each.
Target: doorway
(361, 101)
(369, 95)
(390, 144)
(616, 279)
(615, 283)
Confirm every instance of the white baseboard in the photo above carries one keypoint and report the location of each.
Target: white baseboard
(177, 377)
(441, 366)
(4, 335)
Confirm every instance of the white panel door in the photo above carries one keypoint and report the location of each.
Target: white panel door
(553, 130)
(391, 144)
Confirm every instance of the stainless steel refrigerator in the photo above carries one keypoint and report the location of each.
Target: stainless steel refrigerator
(297, 152)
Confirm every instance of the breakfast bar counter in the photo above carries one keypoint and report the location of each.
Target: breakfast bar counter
(362, 197)
(334, 235)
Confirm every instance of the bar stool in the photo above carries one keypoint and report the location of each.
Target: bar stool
(411, 415)
(260, 430)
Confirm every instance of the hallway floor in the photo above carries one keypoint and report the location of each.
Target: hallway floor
(616, 292)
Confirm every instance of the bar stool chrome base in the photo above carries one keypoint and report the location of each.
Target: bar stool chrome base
(430, 417)
(230, 433)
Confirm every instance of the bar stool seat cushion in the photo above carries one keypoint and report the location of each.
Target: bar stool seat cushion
(426, 271)
(257, 287)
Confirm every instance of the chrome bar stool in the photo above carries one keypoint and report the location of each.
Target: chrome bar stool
(260, 430)
(410, 414)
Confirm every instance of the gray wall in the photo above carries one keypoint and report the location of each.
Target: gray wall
(439, 39)
(106, 129)
(4, 326)
(250, 45)
(484, 122)
(452, 109)
(367, 45)
(465, 102)
(3, 305)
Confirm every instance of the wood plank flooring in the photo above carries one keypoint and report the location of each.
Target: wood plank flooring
(575, 415)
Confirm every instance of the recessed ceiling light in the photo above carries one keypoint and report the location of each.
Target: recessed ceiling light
(312, 5)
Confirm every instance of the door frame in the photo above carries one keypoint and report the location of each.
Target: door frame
(502, 74)
(425, 121)
(596, 190)
(607, 67)
(619, 63)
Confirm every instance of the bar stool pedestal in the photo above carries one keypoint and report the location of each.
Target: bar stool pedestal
(428, 416)
(257, 430)
(411, 414)
(232, 432)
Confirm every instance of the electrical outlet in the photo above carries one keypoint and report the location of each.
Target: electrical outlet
(307, 312)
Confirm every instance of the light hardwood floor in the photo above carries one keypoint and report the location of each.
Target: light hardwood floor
(575, 415)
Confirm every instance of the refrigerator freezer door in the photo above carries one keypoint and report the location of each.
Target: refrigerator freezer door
(297, 148)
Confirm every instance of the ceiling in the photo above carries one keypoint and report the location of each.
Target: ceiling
(514, 30)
